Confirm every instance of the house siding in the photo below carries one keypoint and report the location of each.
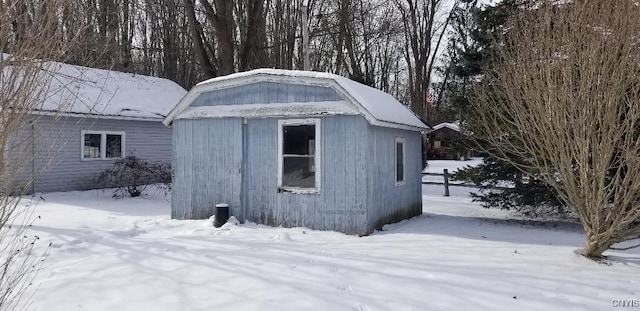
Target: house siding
(57, 152)
(389, 202)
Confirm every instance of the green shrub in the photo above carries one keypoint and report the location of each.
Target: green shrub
(503, 186)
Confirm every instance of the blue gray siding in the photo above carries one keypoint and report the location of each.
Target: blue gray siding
(207, 161)
(235, 161)
(267, 92)
(207, 174)
(389, 203)
(341, 203)
(57, 153)
(357, 188)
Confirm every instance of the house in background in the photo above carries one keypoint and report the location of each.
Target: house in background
(87, 119)
(295, 148)
(446, 141)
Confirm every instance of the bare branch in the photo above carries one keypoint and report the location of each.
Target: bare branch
(565, 96)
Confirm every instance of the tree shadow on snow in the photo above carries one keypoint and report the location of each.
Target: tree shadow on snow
(517, 231)
(492, 229)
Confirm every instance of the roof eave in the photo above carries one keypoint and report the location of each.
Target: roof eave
(93, 115)
(376, 122)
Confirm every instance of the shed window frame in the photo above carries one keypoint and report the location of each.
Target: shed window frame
(316, 147)
(400, 165)
(103, 145)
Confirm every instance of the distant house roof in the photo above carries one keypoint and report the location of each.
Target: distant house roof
(104, 93)
(378, 107)
(451, 126)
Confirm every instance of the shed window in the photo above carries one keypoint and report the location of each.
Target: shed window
(400, 160)
(102, 145)
(298, 158)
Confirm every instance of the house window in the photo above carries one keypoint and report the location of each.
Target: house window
(91, 146)
(102, 145)
(114, 146)
(298, 155)
(400, 160)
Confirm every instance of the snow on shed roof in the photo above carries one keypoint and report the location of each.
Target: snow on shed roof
(379, 107)
(105, 93)
(451, 126)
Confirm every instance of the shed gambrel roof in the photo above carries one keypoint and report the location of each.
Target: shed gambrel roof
(378, 107)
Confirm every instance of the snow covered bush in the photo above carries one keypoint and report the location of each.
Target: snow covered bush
(131, 175)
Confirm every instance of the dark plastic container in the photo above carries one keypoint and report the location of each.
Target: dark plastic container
(222, 215)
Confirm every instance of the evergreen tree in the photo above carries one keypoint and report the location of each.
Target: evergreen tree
(527, 194)
(477, 31)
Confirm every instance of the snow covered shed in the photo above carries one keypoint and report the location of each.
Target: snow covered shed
(88, 118)
(295, 148)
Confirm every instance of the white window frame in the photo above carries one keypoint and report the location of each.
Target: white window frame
(403, 141)
(103, 145)
(317, 168)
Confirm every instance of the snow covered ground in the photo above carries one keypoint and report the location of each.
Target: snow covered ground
(437, 166)
(126, 254)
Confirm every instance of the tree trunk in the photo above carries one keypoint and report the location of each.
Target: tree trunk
(196, 36)
(594, 247)
(252, 52)
(223, 22)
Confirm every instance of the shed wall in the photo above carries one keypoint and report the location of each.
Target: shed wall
(341, 203)
(57, 152)
(207, 159)
(357, 193)
(267, 92)
(389, 202)
(208, 151)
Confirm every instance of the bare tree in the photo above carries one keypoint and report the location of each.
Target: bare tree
(281, 25)
(425, 24)
(202, 50)
(362, 40)
(565, 96)
(31, 33)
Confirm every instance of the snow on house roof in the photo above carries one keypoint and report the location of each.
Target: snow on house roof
(378, 107)
(451, 126)
(105, 93)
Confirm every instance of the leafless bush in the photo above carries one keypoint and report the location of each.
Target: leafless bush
(130, 176)
(566, 95)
